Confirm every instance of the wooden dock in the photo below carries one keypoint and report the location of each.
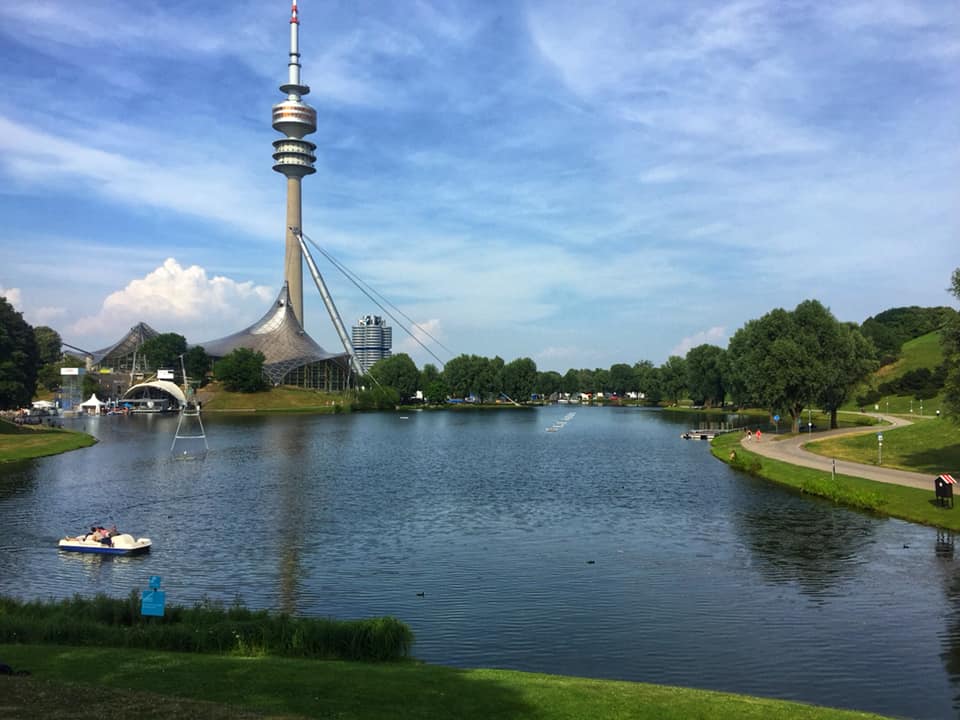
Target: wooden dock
(707, 433)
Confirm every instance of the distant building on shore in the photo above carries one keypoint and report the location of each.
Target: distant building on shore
(372, 340)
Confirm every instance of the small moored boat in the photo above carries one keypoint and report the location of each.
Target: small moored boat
(112, 544)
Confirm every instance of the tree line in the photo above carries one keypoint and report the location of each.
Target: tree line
(784, 361)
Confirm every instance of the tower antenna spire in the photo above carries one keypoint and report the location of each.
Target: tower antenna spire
(293, 157)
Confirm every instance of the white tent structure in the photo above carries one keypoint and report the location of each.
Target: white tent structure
(93, 406)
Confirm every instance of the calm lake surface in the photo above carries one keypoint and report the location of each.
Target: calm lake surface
(611, 548)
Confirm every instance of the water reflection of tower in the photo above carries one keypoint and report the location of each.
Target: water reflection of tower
(294, 158)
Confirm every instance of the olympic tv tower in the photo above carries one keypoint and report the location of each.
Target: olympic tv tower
(294, 158)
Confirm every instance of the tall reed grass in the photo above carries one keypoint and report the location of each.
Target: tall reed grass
(207, 627)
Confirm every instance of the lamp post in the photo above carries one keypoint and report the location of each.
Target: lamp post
(921, 408)
(809, 420)
(879, 448)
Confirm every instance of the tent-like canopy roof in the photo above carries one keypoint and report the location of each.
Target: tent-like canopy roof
(164, 385)
(280, 337)
(135, 337)
(94, 401)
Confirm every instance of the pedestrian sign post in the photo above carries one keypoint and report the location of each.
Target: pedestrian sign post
(776, 421)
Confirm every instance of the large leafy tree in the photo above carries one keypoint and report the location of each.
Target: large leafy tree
(673, 378)
(648, 380)
(786, 361)
(164, 351)
(241, 371)
(436, 391)
(197, 364)
(571, 381)
(399, 372)
(549, 382)
(951, 346)
(49, 344)
(19, 359)
(851, 358)
(520, 378)
(622, 378)
(773, 364)
(428, 375)
(462, 374)
(705, 374)
(490, 378)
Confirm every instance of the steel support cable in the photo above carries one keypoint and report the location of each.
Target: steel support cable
(357, 280)
(360, 286)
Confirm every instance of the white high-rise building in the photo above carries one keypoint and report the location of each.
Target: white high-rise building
(372, 340)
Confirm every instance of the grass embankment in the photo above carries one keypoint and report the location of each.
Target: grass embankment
(925, 351)
(151, 684)
(763, 418)
(930, 446)
(279, 399)
(894, 500)
(32, 441)
(204, 628)
(235, 671)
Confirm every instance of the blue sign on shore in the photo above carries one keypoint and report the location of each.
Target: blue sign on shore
(153, 601)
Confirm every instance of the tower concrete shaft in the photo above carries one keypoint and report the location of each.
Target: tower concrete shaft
(293, 157)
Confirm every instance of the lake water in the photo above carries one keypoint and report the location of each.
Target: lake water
(611, 548)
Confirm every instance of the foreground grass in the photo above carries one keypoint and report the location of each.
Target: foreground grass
(280, 399)
(930, 446)
(894, 500)
(23, 443)
(206, 627)
(280, 687)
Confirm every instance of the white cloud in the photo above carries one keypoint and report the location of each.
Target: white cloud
(12, 295)
(177, 299)
(204, 188)
(712, 336)
(46, 315)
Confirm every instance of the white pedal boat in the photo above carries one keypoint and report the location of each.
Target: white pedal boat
(120, 544)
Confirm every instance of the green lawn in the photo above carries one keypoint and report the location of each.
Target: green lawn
(894, 500)
(925, 351)
(279, 687)
(929, 446)
(280, 399)
(23, 443)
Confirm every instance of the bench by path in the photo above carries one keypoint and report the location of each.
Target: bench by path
(791, 450)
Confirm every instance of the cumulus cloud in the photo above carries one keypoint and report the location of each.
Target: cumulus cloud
(46, 315)
(173, 298)
(712, 336)
(12, 295)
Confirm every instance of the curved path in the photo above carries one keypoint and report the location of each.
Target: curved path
(791, 450)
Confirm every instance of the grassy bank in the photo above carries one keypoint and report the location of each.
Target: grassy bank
(204, 628)
(882, 498)
(281, 687)
(930, 446)
(22, 443)
(280, 399)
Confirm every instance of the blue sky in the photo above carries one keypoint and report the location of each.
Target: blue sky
(579, 183)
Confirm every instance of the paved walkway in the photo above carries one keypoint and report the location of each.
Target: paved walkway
(791, 450)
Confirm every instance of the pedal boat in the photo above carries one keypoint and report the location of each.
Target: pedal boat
(121, 544)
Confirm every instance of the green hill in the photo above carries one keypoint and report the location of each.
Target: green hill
(915, 379)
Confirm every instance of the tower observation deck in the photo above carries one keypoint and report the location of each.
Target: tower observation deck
(294, 157)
